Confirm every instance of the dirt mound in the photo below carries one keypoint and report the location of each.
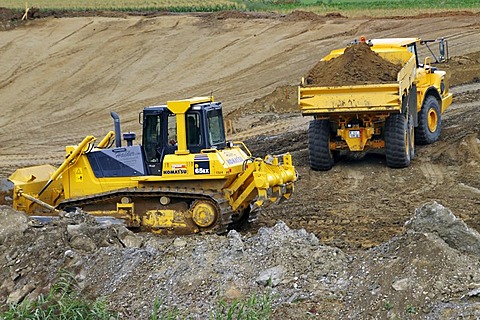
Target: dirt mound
(221, 15)
(463, 69)
(299, 15)
(9, 14)
(429, 272)
(358, 65)
(281, 100)
(334, 15)
(9, 18)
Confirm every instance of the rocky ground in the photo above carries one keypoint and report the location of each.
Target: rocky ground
(431, 270)
(360, 241)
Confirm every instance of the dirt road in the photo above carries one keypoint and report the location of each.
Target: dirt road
(61, 77)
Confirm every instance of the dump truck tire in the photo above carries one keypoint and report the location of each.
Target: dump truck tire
(397, 144)
(429, 122)
(321, 157)
(411, 137)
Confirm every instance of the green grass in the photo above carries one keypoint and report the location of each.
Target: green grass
(128, 5)
(320, 6)
(63, 302)
(256, 307)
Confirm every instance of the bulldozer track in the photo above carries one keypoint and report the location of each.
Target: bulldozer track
(225, 212)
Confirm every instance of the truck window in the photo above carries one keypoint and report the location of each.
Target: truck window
(216, 132)
(412, 47)
(194, 137)
(172, 130)
(152, 136)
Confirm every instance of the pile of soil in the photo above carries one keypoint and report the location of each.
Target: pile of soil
(357, 65)
(462, 69)
(299, 15)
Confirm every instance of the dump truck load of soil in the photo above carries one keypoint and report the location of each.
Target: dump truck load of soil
(357, 65)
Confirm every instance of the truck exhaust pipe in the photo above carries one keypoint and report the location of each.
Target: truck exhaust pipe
(116, 125)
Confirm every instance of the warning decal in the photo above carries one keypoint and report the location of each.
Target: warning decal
(78, 175)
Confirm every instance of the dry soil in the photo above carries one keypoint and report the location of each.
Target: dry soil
(62, 76)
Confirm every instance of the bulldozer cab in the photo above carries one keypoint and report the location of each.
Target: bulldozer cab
(181, 127)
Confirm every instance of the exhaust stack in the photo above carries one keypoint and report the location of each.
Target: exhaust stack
(116, 125)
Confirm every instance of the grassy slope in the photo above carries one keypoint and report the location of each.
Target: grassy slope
(346, 7)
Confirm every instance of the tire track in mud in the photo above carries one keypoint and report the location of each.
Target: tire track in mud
(465, 88)
(434, 177)
(469, 188)
(72, 33)
(286, 123)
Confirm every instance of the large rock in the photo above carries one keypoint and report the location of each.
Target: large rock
(128, 238)
(12, 224)
(434, 218)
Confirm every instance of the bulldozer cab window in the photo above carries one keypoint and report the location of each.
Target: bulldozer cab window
(194, 137)
(172, 130)
(152, 137)
(216, 132)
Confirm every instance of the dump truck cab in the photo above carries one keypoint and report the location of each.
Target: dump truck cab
(429, 80)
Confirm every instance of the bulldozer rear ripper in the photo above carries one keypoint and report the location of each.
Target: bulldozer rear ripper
(184, 178)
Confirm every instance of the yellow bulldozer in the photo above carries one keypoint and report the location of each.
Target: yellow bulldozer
(184, 177)
(393, 116)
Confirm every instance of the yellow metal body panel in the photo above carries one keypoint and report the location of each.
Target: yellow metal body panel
(360, 98)
(157, 219)
(30, 180)
(393, 42)
(357, 140)
(425, 80)
(179, 108)
(222, 165)
(446, 102)
(364, 98)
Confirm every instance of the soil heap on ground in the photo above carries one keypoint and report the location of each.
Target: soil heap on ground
(357, 65)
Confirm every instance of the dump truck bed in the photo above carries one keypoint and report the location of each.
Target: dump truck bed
(381, 97)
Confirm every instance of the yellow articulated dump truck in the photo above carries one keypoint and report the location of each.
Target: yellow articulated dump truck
(357, 106)
(184, 178)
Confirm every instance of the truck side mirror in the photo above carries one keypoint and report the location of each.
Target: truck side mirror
(443, 50)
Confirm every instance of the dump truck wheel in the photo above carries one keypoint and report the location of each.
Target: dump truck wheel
(321, 157)
(411, 137)
(397, 144)
(429, 122)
